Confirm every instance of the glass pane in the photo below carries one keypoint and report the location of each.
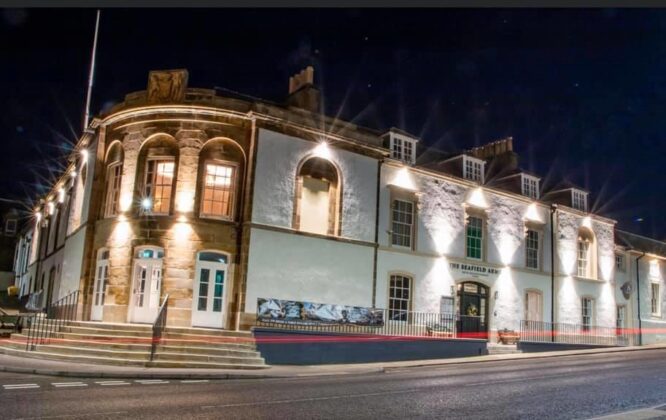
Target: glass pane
(202, 304)
(212, 257)
(219, 283)
(217, 305)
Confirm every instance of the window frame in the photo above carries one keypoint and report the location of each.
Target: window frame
(411, 226)
(620, 263)
(537, 249)
(655, 299)
(473, 162)
(526, 181)
(111, 190)
(158, 159)
(579, 200)
(233, 189)
(404, 314)
(12, 231)
(481, 238)
(397, 145)
(589, 315)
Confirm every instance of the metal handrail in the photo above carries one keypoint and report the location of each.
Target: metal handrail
(46, 325)
(158, 327)
(540, 331)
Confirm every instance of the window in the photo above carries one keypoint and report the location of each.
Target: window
(403, 222)
(579, 200)
(621, 315)
(402, 148)
(399, 298)
(583, 257)
(655, 301)
(530, 187)
(218, 190)
(113, 177)
(532, 249)
(158, 186)
(317, 198)
(473, 169)
(619, 262)
(10, 227)
(587, 306)
(474, 237)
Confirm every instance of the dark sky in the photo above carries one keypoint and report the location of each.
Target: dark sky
(582, 92)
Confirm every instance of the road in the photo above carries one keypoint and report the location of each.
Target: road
(560, 388)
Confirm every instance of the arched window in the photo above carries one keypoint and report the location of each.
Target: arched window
(114, 172)
(318, 187)
(586, 254)
(220, 174)
(156, 173)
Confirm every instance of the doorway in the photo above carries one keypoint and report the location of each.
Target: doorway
(101, 277)
(209, 294)
(472, 310)
(146, 285)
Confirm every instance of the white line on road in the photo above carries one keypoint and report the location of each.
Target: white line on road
(193, 381)
(332, 397)
(68, 384)
(111, 383)
(20, 386)
(151, 381)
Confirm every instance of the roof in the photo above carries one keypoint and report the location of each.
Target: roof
(640, 243)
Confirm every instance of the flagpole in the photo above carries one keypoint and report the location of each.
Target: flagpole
(90, 75)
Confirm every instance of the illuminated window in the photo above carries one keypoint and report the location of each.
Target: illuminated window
(113, 177)
(530, 186)
(473, 169)
(402, 148)
(218, 191)
(474, 238)
(402, 223)
(587, 313)
(583, 257)
(655, 299)
(317, 198)
(579, 200)
(158, 186)
(585, 254)
(532, 249)
(399, 298)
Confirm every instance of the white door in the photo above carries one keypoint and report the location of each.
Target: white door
(533, 306)
(146, 287)
(101, 277)
(210, 288)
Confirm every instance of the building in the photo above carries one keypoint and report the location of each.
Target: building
(215, 201)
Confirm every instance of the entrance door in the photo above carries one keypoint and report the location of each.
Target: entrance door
(101, 277)
(209, 290)
(472, 310)
(147, 285)
(533, 309)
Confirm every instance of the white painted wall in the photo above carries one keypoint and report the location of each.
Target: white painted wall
(298, 267)
(72, 262)
(278, 157)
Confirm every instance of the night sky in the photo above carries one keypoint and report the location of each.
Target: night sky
(582, 92)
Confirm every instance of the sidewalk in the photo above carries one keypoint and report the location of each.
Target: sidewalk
(57, 368)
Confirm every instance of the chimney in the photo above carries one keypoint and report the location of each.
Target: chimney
(500, 156)
(302, 92)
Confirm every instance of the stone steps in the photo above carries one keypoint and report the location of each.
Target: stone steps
(130, 345)
(503, 349)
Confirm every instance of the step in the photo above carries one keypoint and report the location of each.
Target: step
(112, 326)
(207, 358)
(97, 352)
(104, 331)
(208, 332)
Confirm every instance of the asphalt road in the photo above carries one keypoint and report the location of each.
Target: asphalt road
(564, 388)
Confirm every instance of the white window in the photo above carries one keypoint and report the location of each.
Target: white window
(10, 227)
(403, 223)
(473, 169)
(532, 249)
(402, 148)
(113, 177)
(530, 186)
(158, 185)
(579, 200)
(587, 313)
(619, 262)
(620, 317)
(655, 299)
(583, 257)
(218, 191)
(400, 295)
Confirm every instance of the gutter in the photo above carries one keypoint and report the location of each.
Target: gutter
(638, 301)
(553, 210)
(374, 260)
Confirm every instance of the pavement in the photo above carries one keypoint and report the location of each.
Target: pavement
(625, 384)
(15, 364)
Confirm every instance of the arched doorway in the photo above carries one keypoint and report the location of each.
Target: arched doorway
(472, 310)
(147, 284)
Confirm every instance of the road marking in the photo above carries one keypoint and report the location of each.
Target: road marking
(68, 384)
(151, 381)
(332, 397)
(20, 386)
(193, 381)
(111, 383)
(72, 416)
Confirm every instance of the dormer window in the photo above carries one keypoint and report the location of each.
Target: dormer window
(402, 148)
(579, 200)
(473, 169)
(530, 186)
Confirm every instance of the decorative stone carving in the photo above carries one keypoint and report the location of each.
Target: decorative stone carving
(167, 85)
(627, 288)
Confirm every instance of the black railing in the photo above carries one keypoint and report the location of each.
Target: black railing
(46, 325)
(396, 323)
(546, 332)
(158, 327)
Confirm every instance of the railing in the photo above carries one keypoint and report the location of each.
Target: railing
(158, 327)
(47, 325)
(546, 332)
(396, 323)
